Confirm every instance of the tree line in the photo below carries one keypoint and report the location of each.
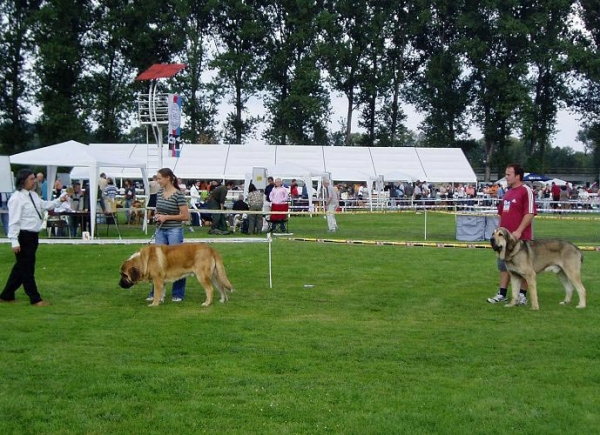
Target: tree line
(503, 66)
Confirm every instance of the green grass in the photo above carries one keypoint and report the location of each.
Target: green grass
(389, 340)
(404, 226)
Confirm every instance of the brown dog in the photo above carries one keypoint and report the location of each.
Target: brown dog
(525, 259)
(136, 215)
(162, 263)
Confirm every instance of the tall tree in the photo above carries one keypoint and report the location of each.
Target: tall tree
(342, 49)
(548, 29)
(61, 26)
(585, 58)
(495, 44)
(372, 73)
(200, 102)
(441, 90)
(297, 101)
(399, 64)
(242, 32)
(16, 40)
(109, 83)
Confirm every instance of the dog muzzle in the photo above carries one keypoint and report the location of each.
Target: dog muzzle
(125, 283)
(495, 246)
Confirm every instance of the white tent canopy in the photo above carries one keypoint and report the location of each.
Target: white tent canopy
(398, 176)
(447, 165)
(406, 160)
(89, 160)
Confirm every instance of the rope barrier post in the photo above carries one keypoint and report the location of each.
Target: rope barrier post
(269, 241)
(425, 224)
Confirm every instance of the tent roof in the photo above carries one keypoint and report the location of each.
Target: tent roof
(398, 176)
(72, 153)
(292, 170)
(445, 165)
(404, 160)
(309, 156)
(343, 163)
(83, 157)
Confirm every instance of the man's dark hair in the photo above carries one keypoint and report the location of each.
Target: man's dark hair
(519, 170)
(22, 176)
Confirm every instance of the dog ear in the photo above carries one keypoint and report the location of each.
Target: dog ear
(511, 241)
(500, 238)
(134, 274)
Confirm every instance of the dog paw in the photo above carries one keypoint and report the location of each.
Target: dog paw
(563, 303)
(580, 306)
(205, 304)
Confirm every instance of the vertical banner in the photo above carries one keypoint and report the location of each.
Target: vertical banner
(174, 124)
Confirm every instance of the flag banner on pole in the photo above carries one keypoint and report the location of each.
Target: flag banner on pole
(175, 102)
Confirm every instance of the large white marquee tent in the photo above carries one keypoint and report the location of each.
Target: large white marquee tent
(234, 162)
(90, 162)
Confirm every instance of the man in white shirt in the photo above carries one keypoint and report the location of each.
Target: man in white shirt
(25, 214)
(195, 194)
(332, 202)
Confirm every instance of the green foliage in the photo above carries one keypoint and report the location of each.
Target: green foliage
(109, 87)
(495, 44)
(242, 30)
(60, 39)
(441, 90)
(16, 40)
(298, 103)
(504, 66)
(388, 340)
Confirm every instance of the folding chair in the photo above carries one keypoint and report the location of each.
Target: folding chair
(110, 212)
(57, 225)
(278, 219)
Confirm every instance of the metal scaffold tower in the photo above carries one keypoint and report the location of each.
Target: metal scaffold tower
(153, 109)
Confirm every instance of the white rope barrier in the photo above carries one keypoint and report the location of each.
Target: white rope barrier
(268, 239)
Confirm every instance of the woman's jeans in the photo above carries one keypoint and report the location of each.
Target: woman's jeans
(172, 236)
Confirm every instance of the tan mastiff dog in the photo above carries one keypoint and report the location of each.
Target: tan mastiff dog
(525, 259)
(163, 263)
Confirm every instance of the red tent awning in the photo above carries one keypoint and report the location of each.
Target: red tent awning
(161, 70)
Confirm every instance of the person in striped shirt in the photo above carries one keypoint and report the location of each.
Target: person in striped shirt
(171, 212)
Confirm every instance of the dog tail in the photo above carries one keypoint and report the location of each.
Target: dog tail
(218, 274)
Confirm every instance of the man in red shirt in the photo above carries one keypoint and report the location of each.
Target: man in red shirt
(555, 190)
(517, 210)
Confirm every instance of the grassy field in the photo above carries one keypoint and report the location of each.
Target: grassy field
(402, 226)
(389, 340)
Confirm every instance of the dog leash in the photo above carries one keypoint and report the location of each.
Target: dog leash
(153, 238)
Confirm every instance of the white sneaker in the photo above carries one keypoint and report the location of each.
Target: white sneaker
(177, 300)
(151, 299)
(497, 298)
(522, 299)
